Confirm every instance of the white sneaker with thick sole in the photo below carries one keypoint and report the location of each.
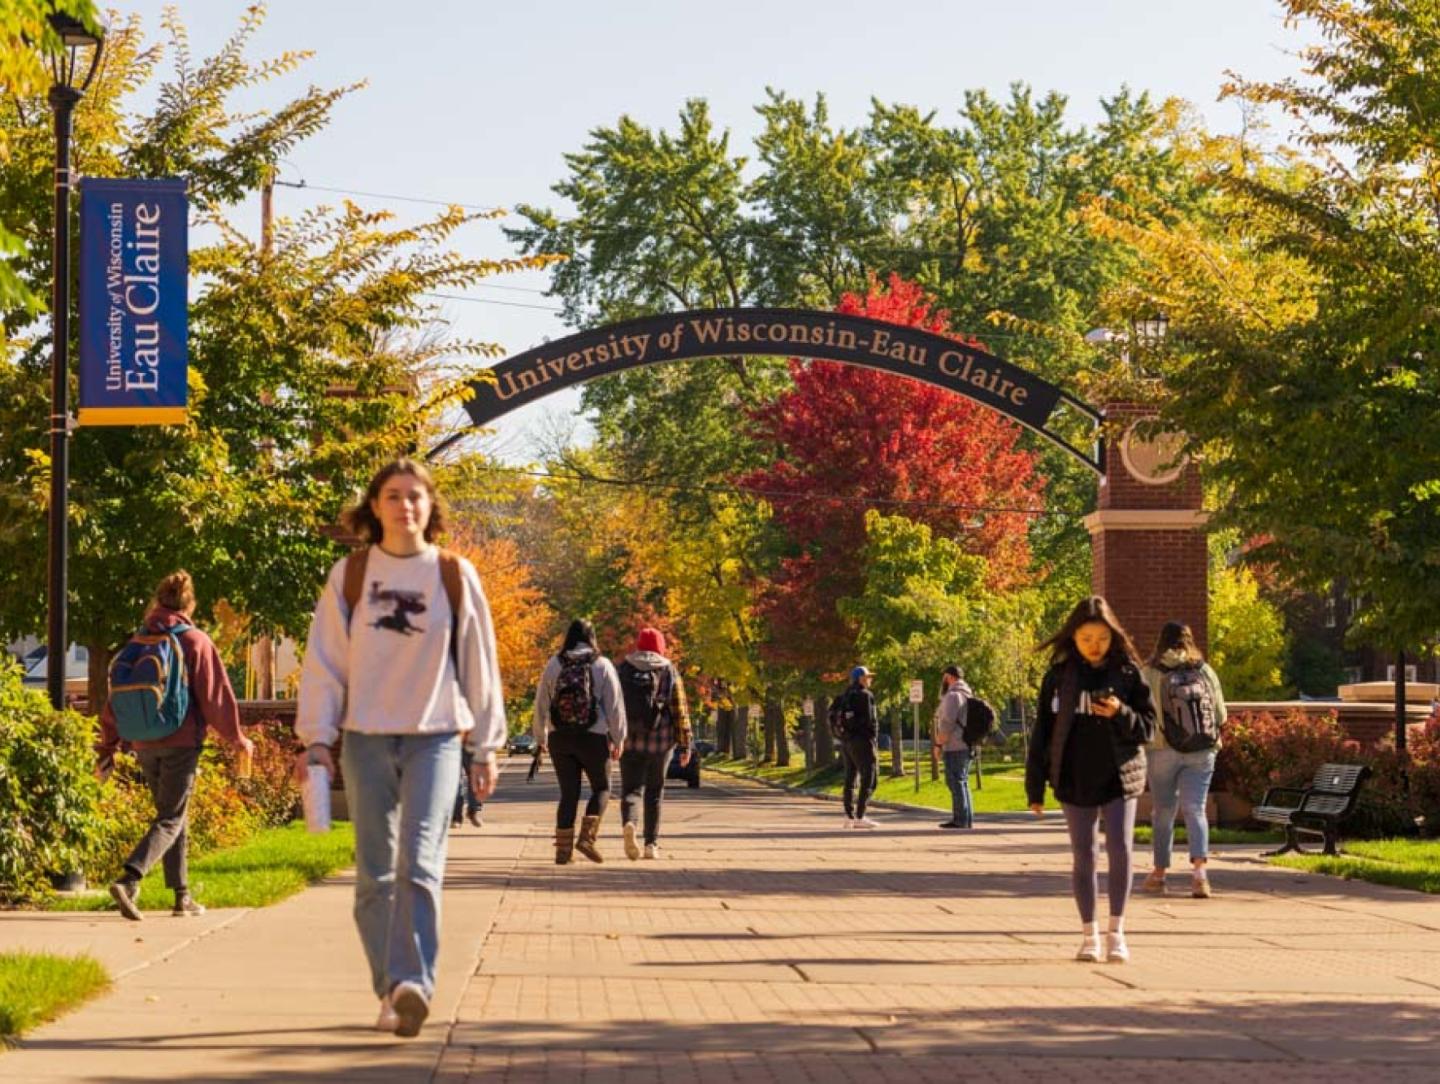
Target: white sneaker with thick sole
(866, 822)
(849, 823)
(652, 850)
(1090, 950)
(632, 845)
(411, 1008)
(1116, 950)
(388, 1020)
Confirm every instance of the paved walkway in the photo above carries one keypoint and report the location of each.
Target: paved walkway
(770, 946)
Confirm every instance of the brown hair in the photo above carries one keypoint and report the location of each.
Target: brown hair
(1062, 645)
(1174, 635)
(361, 520)
(176, 591)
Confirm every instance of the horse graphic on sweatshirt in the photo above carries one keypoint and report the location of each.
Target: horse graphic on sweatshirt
(402, 603)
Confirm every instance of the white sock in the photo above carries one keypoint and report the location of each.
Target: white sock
(1117, 924)
(1092, 930)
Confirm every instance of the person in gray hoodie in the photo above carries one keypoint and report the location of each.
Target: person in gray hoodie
(580, 722)
(949, 740)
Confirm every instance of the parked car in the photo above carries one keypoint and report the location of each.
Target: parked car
(688, 772)
(522, 745)
(703, 748)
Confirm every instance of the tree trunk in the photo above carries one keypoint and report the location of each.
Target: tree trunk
(97, 678)
(775, 720)
(725, 732)
(768, 729)
(897, 755)
(742, 732)
(824, 741)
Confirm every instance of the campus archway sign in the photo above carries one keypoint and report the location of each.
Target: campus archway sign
(854, 340)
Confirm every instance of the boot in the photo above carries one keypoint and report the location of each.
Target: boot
(564, 845)
(589, 830)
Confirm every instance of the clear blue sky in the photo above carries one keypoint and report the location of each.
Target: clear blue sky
(475, 101)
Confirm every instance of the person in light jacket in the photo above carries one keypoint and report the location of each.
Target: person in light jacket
(1094, 720)
(580, 721)
(1181, 778)
(401, 657)
(950, 742)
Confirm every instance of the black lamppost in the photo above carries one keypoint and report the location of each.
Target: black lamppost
(79, 53)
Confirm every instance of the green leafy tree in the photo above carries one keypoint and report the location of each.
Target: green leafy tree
(1305, 353)
(1248, 645)
(311, 359)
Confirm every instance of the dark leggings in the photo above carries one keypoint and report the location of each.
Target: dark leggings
(1083, 821)
(642, 783)
(862, 767)
(572, 755)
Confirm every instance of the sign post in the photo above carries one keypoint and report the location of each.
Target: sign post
(917, 694)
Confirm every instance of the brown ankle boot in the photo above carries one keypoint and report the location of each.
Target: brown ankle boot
(564, 845)
(585, 844)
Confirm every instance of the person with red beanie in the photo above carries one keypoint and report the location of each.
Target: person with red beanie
(658, 721)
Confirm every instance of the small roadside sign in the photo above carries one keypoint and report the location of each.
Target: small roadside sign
(917, 691)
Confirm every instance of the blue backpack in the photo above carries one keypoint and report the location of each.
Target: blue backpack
(149, 688)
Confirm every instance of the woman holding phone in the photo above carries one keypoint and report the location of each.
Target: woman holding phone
(1095, 718)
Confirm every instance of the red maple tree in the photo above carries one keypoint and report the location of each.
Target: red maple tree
(850, 439)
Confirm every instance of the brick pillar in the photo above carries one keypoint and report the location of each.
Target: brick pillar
(1147, 539)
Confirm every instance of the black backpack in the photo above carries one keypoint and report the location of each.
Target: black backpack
(573, 705)
(840, 716)
(979, 721)
(647, 695)
(1187, 710)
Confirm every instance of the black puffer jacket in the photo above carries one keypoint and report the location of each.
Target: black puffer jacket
(1061, 703)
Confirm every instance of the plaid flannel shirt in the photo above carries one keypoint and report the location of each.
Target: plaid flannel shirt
(672, 728)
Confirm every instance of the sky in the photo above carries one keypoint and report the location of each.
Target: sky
(476, 102)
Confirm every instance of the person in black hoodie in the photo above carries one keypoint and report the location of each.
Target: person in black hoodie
(1095, 718)
(858, 748)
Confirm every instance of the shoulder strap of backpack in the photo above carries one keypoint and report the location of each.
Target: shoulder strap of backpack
(455, 592)
(354, 583)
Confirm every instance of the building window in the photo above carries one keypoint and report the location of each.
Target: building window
(1330, 612)
(1355, 603)
(1410, 672)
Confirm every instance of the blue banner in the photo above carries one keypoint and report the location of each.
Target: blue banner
(134, 277)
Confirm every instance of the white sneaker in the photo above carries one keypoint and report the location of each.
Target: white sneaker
(388, 1020)
(632, 846)
(866, 822)
(652, 850)
(411, 1009)
(1090, 950)
(849, 822)
(1116, 950)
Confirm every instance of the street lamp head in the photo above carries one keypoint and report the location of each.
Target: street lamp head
(74, 63)
(1151, 330)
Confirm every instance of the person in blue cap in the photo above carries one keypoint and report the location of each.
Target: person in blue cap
(860, 732)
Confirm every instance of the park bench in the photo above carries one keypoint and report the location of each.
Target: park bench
(1320, 808)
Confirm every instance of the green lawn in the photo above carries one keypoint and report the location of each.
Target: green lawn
(1144, 834)
(274, 864)
(1404, 863)
(36, 987)
(1003, 790)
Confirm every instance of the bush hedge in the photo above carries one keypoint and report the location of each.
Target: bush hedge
(65, 820)
(1264, 750)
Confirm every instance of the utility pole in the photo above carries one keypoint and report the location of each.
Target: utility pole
(263, 653)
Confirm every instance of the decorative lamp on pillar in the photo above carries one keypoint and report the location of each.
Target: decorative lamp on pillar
(73, 65)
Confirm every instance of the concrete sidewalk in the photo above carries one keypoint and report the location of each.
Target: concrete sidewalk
(769, 944)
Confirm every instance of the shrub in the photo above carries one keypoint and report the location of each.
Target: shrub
(48, 791)
(1263, 750)
(270, 790)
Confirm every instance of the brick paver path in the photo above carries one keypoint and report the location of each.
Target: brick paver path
(769, 945)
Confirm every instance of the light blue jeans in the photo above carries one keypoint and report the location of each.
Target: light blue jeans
(1183, 780)
(400, 790)
(957, 778)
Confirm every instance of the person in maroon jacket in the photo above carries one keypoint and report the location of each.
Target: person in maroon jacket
(169, 764)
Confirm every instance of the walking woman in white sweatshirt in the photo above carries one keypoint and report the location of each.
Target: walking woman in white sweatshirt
(401, 658)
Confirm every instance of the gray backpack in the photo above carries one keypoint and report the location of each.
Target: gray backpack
(1187, 710)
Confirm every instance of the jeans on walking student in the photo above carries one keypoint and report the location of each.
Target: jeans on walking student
(1095, 717)
(642, 789)
(1191, 713)
(466, 804)
(401, 660)
(397, 789)
(957, 778)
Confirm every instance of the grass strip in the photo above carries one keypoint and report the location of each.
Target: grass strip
(1400, 863)
(36, 987)
(274, 864)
